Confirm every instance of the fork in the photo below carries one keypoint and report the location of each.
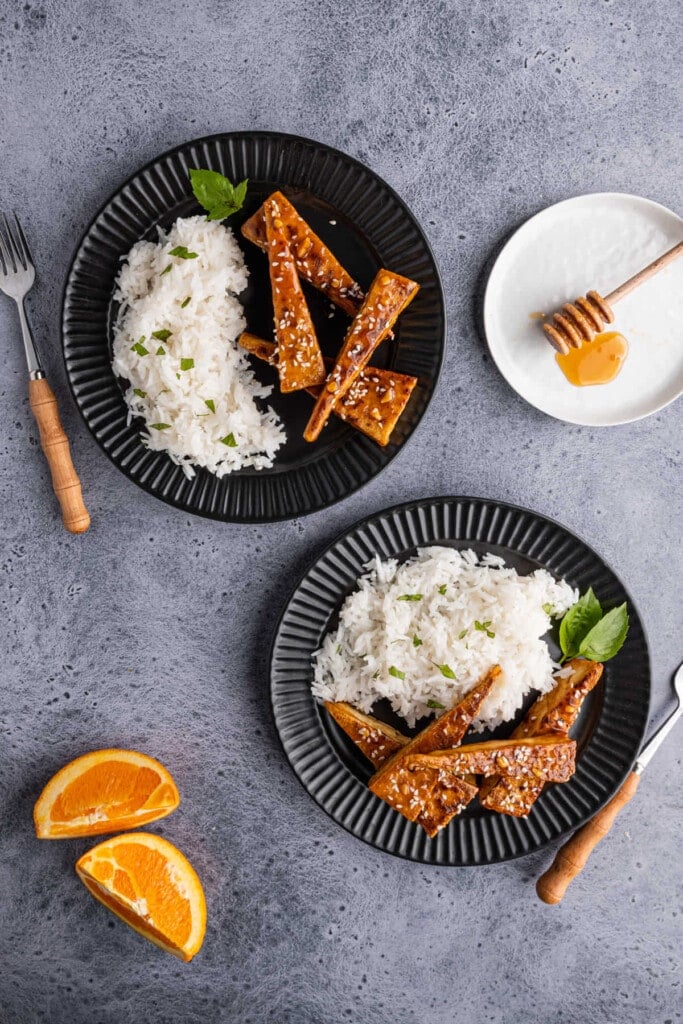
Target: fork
(17, 274)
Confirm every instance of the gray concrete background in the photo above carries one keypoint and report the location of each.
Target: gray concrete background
(151, 631)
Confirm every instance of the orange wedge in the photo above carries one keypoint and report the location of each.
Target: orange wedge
(105, 791)
(147, 882)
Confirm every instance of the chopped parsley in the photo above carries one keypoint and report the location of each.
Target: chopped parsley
(443, 588)
(229, 441)
(462, 633)
(139, 347)
(396, 673)
(160, 426)
(187, 364)
(416, 641)
(339, 648)
(139, 392)
(484, 627)
(183, 253)
(210, 404)
(409, 597)
(161, 351)
(445, 670)
(435, 704)
(162, 335)
(166, 270)
(548, 609)
(185, 302)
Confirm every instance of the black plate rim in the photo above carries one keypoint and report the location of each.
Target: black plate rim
(438, 283)
(413, 504)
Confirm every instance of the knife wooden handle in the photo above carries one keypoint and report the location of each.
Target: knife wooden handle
(55, 445)
(571, 858)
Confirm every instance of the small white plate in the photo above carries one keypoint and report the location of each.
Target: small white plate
(593, 241)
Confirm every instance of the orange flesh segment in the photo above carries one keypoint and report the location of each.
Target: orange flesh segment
(148, 884)
(124, 788)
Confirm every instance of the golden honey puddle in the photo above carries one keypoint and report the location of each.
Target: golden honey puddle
(596, 362)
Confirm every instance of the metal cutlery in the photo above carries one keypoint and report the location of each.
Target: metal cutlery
(17, 274)
(572, 857)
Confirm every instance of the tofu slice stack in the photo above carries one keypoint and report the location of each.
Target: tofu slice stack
(374, 389)
(428, 795)
(388, 296)
(315, 263)
(554, 712)
(299, 359)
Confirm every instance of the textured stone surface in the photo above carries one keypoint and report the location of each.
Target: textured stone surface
(151, 631)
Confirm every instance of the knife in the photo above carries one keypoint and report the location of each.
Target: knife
(571, 858)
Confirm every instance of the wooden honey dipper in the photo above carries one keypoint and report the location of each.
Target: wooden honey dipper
(583, 319)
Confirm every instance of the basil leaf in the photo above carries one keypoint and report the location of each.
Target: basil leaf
(187, 364)
(396, 673)
(409, 597)
(162, 335)
(216, 193)
(435, 704)
(578, 622)
(229, 441)
(607, 637)
(210, 404)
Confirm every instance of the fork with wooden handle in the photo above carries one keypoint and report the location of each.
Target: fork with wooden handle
(17, 275)
(572, 857)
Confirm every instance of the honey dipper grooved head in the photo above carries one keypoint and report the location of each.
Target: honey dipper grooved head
(578, 322)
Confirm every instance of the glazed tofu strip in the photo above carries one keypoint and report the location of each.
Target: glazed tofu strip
(375, 739)
(388, 296)
(374, 389)
(314, 261)
(299, 359)
(550, 758)
(553, 712)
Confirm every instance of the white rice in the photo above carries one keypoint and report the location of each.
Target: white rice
(378, 633)
(205, 329)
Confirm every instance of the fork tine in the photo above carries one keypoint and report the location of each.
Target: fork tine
(25, 251)
(4, 253)
(12, 246)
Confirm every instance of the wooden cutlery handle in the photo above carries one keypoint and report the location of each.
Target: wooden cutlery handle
(55, 445)
(571, 858)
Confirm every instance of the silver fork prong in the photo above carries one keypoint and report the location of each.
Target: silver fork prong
(25, 251)
(13, 247)
(8, 267)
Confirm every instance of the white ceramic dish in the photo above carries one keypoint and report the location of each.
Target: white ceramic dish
(592, 241)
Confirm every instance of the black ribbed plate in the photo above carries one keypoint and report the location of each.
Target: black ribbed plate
(609, 731)
(365, 224)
